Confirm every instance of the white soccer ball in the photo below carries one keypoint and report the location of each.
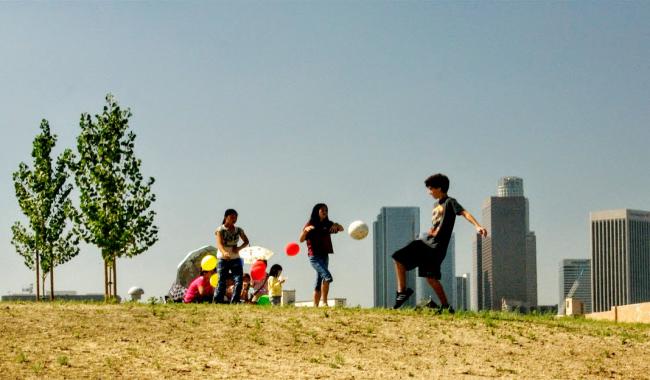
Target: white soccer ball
(358, 230)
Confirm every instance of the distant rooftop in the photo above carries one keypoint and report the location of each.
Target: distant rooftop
(620, 214)
(510, 187)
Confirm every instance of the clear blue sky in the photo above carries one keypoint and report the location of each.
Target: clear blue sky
(271, 107)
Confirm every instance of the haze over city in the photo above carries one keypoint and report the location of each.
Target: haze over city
(270, 108)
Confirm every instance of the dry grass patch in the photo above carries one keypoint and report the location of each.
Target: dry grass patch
(76, 340)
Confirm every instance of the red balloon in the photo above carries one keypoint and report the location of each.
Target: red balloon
(258, 270)
(292, 249)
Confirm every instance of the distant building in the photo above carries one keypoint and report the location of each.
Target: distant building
(620, 254)
(575, 274)
(68, 295)
(476, 286)
(424, 292)
(462, 292)
(332, 302)
(394, 228)
(505, 262)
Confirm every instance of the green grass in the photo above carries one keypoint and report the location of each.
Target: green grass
(63, 360)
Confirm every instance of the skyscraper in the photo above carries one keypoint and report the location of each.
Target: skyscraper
(620, 254)
(462, 292)
(575, 275)
(394, 228)
(448, 279)
(505, 262)
(476, 286)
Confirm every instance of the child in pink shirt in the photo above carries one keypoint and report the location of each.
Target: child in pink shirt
(200, 289)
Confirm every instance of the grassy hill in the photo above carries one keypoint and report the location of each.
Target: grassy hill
(77, 340)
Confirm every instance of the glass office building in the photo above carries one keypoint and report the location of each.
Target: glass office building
(620, 258)
(394, 228)
(575, 274)
(462, 292)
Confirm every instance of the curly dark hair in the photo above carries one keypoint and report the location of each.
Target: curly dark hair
(438, 181)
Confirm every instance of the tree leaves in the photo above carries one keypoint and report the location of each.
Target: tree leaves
(43, 195)
(114, 201)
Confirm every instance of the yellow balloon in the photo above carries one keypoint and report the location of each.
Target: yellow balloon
(214, 280)
(209, 262)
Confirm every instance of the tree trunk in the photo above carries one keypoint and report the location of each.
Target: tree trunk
(38, 277)
(43, 277)
(52, 283)
(105, 280)
(115, 277)
(110, 278)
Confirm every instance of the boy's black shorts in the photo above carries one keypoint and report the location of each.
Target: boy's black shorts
(417, 254)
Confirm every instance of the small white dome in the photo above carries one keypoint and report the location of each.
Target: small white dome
(136, 290)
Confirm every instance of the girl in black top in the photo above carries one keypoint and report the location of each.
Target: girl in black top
(317, 233)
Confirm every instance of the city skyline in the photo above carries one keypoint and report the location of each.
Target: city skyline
(270, 108)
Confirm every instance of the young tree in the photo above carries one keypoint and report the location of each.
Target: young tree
(43, 195)
(114, 199)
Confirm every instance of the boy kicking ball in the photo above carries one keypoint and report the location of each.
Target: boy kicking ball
(427, 254)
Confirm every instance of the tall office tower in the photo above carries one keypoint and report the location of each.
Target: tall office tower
(531, 264)
(575, 282)
(448, 279)
(462, 292)
(394, 228)
(477, 269)
(620, 258)
(505, 261)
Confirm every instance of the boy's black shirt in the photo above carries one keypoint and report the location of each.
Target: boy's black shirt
(445, 224)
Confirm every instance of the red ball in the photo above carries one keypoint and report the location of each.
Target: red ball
(292, 249)
(258, 270)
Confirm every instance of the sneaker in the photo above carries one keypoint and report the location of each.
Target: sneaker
(447, 308)
(402, 297)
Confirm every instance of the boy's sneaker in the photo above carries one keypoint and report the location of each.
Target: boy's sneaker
(402, 297)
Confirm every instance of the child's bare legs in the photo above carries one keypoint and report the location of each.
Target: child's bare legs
(400, 274)
(323, 278)
(316, 297)
(322, 294)
(437, 287)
